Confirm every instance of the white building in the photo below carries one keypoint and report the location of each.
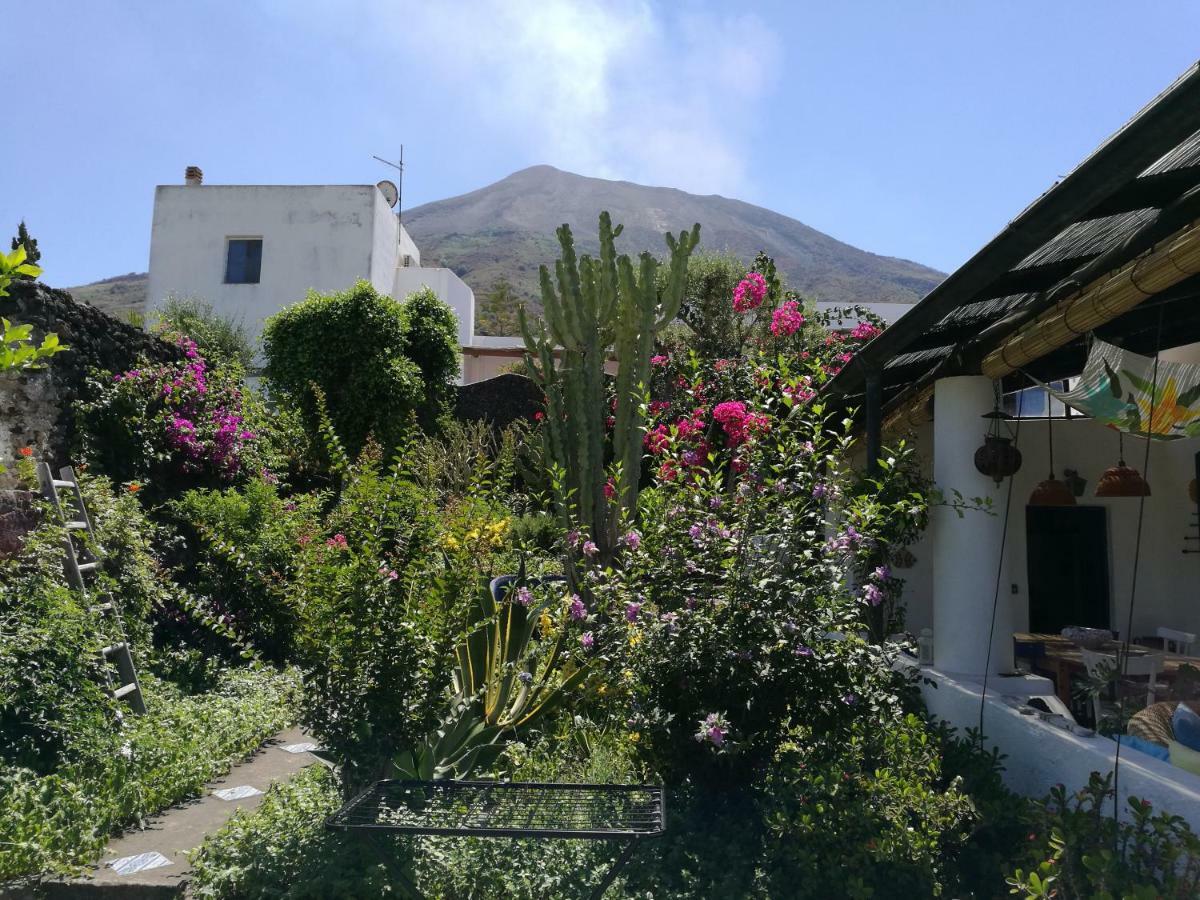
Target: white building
(251, 250)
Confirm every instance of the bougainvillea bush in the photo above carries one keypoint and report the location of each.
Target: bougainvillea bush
(176, 424)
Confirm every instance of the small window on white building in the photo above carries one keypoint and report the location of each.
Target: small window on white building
(243, 260)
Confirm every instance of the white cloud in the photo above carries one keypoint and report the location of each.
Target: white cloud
(617, 89)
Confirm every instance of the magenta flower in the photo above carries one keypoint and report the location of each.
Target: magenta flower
(659, 360)
(588, 640)
(524, 596)
(872, 594)
(590, 549)
(882, 573)
(577, 609)
(632, 610)
(338, 542)
(750, 292)
(632, 540)
(787, 320)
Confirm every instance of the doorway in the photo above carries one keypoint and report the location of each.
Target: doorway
(1067, 552)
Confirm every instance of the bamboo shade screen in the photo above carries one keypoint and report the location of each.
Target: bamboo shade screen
(1106, 298)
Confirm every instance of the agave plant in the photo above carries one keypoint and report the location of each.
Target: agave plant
(500, 685)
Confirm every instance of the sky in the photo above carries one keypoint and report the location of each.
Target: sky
(915, 129)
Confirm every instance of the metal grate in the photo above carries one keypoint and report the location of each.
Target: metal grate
(505, 809)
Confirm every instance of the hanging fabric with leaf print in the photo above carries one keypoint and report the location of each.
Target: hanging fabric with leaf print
(1117, 388)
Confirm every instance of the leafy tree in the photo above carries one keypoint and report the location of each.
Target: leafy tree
(498, 311)
(32, 253)
(17, 349)
(220, 340)
(375, 359)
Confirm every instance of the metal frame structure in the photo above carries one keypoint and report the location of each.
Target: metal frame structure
(625, 814)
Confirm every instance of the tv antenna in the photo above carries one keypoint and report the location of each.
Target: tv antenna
(399, 167)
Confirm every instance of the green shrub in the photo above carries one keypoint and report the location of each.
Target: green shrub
(119, 772)
(373, 637)
(282, 849)
(375, 359)
(1075, 849)
(222, 341)
(244, 544)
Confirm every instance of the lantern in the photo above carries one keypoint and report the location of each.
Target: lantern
(1051, 492)
(1122, 480)
(997, 458)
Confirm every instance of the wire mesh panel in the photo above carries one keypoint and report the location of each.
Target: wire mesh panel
(506, 809)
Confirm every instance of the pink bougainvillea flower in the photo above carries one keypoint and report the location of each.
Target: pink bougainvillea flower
(632, 540)
(787, 320)
(659, 360)
(750, 292)
(338, 542)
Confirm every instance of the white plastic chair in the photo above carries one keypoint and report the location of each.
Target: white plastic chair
(1175, 641)
(1148, 666)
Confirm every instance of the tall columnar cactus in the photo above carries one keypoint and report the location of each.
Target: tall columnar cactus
(601, 308)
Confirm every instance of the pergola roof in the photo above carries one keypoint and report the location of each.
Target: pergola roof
(1133, 191)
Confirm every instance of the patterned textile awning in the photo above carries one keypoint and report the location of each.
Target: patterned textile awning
(1123, 390)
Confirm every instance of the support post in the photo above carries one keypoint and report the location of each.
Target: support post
(966, 549)
(873, 416)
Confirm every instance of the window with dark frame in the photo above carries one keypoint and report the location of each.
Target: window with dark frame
(243, 260)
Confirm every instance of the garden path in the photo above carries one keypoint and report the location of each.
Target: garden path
(152, 862)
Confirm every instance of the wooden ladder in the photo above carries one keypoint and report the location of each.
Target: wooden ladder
(80, 564)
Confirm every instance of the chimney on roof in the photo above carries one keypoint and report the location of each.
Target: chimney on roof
(192, 175)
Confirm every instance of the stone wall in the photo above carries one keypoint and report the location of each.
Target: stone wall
(37, 409)
(499, 401)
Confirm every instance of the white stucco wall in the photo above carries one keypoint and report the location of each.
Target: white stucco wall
(1168, 591)
(452, 289)
(320, 238)
(1041, 755)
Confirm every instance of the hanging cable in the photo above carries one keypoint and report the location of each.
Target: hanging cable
(1137, 554)
(1000, 562)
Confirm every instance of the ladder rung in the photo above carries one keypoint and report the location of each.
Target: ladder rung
(114, 649)
(59, 483)
(86, 567)
(77, 525)
(125, 690)
(102, 607)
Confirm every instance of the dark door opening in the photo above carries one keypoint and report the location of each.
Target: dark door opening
(1067, 551)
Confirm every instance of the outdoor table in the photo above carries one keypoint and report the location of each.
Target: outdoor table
(624, 814)
(1064, 659)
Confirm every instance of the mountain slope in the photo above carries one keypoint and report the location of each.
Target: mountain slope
(506, 229)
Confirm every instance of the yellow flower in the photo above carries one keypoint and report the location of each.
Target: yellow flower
(635, 637)
(635, 736)
(545, 622)
(602, 689)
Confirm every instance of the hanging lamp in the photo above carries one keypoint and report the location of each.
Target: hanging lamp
(1122, 480)
(1051, 492)
(997, 458)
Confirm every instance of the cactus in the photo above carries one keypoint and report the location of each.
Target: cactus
(601, 306)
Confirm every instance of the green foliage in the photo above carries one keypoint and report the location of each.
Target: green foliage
(18, 352)
(497, 310)
(30, 245)
(503, 680)
(117, 773)
(282, 850)
(221, 341)
(374, 358)
(244, 542)
(373, 639)
(866, 813)
(601, 307)
(1075, 849)
(717, 332)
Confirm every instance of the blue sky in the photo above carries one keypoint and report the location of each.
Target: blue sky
(913, 129)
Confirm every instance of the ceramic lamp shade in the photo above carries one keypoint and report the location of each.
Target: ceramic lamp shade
(1122, 481)
(1051, 492)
